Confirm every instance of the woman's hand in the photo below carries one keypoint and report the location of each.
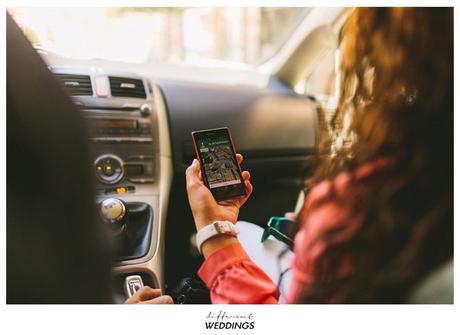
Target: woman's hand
(204, 207)
(148, 295)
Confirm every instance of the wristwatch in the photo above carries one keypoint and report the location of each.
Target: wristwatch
(213, 229)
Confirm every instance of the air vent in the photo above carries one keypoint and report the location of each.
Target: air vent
(127, 87)
(76, 84)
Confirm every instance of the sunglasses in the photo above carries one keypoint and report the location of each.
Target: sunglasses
(282, 229)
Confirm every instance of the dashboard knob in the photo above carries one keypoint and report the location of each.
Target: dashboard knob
(109, 169)
(145, 109)
(113, 211)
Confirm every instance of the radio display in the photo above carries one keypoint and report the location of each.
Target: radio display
(115, 124)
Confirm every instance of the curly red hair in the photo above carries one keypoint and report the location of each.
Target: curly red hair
(397, 90)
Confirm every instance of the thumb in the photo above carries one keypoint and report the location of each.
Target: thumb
(193, 173)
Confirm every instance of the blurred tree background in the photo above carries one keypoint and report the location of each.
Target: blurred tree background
(190, 35)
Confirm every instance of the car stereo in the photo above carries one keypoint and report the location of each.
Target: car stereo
(123, 127)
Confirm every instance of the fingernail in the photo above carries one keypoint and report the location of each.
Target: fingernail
(194, 161)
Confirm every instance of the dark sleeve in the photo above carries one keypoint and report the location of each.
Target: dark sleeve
(56, 251)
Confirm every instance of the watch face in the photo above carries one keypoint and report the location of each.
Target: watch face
(222, 227)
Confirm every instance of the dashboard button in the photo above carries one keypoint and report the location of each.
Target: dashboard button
(109, 169)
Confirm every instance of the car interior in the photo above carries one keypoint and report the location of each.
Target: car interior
(112, 144)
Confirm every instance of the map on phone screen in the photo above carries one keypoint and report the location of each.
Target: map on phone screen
(219, 165)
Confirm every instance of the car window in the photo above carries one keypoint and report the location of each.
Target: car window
(238, 36)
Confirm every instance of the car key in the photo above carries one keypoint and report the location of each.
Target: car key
(132, 285)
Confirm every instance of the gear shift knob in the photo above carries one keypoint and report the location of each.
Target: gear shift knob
(113, 211)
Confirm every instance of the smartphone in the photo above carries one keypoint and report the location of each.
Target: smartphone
(220, 171)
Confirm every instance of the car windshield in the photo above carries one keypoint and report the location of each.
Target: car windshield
(226, 37)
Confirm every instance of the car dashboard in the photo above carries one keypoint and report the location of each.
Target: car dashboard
(129, 139)
(140, 141)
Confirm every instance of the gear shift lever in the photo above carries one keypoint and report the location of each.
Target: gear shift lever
(114, 212)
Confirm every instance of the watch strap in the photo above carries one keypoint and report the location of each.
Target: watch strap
(213, 229)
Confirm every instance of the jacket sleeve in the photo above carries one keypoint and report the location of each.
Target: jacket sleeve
(234, 279)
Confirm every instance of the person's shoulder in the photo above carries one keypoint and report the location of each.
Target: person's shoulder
(345, 183)
(328, 189)
(370, 169)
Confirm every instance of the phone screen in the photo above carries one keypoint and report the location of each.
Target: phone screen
(220, 169)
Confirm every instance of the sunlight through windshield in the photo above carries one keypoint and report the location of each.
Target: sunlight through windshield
(176, 35)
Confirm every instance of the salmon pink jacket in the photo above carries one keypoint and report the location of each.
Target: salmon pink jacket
(233, 278)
